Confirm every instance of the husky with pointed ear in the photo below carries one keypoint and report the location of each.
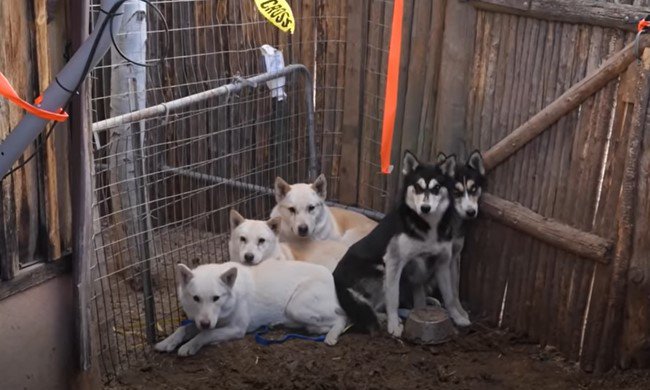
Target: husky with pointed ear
(468, 183)
(418, 229)
(226, 301)
(305, 216)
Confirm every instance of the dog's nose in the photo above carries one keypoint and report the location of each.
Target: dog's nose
(303, 230)
(425, 208)
(249, 257)
(471, 213)
(204, 324)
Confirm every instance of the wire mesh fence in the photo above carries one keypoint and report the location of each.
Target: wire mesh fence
(164, 185)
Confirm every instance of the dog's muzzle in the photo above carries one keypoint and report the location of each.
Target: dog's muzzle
(205, 325)
(425, 208)
(249, 257)
(303, 230)
(471, 213)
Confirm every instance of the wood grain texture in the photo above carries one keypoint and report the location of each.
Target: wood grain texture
(357, 12)
(51, 197)
(568, 101)
(597, 13)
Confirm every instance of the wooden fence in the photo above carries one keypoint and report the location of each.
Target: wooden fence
(562, 257)
(35, 212)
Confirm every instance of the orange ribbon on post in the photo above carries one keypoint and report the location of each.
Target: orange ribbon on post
(392, 82)
(10, 94)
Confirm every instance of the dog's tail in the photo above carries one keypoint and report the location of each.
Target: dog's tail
(358, 309)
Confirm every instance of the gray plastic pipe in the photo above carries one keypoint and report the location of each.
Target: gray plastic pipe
(55, 97)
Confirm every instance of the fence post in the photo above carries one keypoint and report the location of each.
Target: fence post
(352, 108)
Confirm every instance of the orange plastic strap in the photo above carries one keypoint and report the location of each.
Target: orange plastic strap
(392, 81)
(9, 93)
(642, 25)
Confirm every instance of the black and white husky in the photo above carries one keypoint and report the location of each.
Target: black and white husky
(418, 229)
(468, 184)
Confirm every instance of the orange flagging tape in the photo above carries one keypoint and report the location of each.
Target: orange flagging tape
(9, 93)
(392, 81)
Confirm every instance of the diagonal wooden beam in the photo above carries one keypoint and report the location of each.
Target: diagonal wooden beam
(550, 231)
(564, 104)
(596, 13)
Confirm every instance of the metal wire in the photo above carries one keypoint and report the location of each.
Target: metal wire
(149, 213)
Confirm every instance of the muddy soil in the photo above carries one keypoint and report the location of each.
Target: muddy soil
(481, 358)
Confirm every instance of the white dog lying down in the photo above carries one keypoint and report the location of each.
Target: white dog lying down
(226, 301)
(253, 241)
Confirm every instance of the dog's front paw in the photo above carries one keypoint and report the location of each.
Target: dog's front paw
(460, 320)
(431, 301)
(395, 329)
(167, 345)
(331, 340)
(188, 349)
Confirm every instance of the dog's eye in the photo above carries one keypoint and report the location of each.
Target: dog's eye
(292, 210)
(312, 207)
(197, 299)
(261, 241)
(458, 193)
(436, 189)
(242, 239)
(472, 190)
(215, 298)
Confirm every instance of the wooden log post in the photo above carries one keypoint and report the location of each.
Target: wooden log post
(545, 229)
(567, 102)
(625, 216)
(596, 13)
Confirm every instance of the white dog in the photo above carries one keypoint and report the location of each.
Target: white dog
(226, 301)
(305, 216)
(252, 242)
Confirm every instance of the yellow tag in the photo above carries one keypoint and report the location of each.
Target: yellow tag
(278, 12)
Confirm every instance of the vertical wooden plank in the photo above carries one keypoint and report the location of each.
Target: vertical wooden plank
(636, 334)
(56, 34)
(8, 240)
(81, 186)
(625, 216)
(357, 14)
(372, 106)
(340, 80)
(431, 81)
(455, 73)
(605, 214)
(414, 96)
(51, 198)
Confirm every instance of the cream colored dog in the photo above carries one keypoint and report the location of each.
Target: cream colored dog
(306, 217)
(252, 242)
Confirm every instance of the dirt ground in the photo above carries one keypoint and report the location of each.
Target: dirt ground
(480, 359)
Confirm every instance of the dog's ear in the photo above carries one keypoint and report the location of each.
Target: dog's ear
(441, 157)
(475, 161)
(236, 219)
(184, 273)
(274, 224)
(320, 186)
(448, 167)
(281, 189)
(409, 162)
(228, 277)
